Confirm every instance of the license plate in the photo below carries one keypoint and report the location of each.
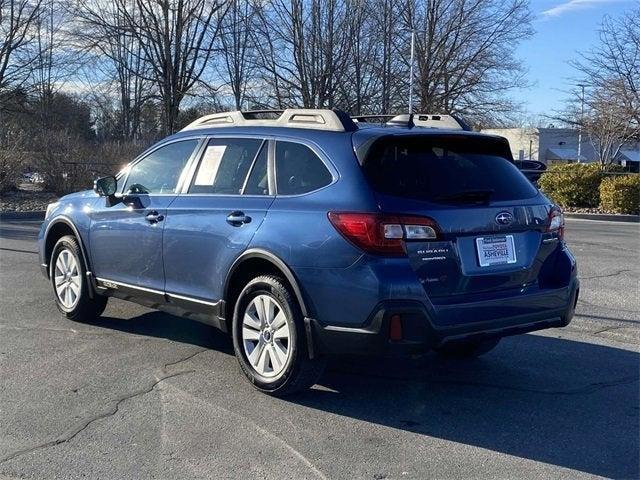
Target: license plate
(496, 250)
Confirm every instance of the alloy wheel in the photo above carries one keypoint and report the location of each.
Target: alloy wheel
(266, 336)
(67, 280)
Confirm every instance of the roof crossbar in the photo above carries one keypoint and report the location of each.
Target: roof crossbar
(318, 119)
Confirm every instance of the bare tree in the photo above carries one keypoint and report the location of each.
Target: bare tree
(607, 122)
(17, 18)
(465, 53)
(608, 109)
(364, 83)
(305, 49)
(177, 40)
(102, 32)
(55, 60)
(238, 49)
(615, 62)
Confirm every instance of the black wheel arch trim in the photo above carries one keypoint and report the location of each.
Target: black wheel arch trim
(277, 262)
(69, 223)
(286, 271)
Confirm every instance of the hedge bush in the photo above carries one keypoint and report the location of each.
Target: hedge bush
(573, 184)
(621, 194)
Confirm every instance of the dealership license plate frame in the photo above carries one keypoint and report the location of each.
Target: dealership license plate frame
(496, 242)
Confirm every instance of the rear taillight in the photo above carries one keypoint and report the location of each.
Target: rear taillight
(556, 221)
(383, 234)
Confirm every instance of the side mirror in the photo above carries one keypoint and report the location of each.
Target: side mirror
(105, 186)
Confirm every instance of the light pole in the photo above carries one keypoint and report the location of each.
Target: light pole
(581, 85)
(413, 43)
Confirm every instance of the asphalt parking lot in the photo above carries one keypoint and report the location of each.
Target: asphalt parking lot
(142, 394)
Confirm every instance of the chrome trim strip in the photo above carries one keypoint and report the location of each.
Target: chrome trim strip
(195, 300)
(158, 292)
(128, 285)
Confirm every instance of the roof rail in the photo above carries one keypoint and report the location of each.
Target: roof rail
(410, 120)
(318, 119)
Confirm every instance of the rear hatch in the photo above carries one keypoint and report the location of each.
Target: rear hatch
(491, 222)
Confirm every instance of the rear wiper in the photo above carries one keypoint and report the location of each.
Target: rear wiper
(467, 196)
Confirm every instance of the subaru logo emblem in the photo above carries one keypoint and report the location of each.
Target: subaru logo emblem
(504, 218)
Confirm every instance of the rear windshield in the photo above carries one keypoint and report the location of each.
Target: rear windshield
(445, 169)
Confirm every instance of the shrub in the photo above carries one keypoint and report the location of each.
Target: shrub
(573, 184)
(11, 162)
(621, 194)
(59, 160)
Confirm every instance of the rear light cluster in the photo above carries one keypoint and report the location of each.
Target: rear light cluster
(556, 221)
(383, 234)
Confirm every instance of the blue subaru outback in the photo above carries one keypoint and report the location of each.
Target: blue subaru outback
(307, 233)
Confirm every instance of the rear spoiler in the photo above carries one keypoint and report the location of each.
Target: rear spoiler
(497, 145)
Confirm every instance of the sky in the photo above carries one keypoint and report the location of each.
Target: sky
(563, 28)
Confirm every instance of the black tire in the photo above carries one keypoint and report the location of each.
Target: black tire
(85, 308)
(300, 372)
(467, 349)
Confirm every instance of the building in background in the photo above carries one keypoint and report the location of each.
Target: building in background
(559, 145)
(547, 145)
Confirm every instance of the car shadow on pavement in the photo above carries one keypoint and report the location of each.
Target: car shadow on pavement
(555, 401)
(163, 325)
(561, 402)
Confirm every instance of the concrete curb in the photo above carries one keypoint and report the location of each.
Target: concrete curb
(38, 215)
(604, 217)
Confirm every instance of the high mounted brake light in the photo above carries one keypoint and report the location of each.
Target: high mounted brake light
(556, 221)
(383, 234)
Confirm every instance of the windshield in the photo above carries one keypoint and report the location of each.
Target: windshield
(449, 170)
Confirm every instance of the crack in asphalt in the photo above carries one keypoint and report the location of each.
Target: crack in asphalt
(608, 329)
(614, 274)
(109, 412)
(185, 359)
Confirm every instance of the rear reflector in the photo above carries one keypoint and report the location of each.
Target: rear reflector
(383, 234)
(395, 328)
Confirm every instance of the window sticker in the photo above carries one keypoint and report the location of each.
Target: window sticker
(209, 165)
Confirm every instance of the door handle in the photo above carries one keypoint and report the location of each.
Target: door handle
(238, 218)
(154, 217)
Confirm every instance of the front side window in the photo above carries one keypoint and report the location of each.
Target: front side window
(160, 171)
(299, 170)
(224, 165)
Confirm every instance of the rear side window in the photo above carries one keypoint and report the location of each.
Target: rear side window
(224, 165)
(442, 169)
(299, 170)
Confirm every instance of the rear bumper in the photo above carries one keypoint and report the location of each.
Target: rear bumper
(420, 333)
